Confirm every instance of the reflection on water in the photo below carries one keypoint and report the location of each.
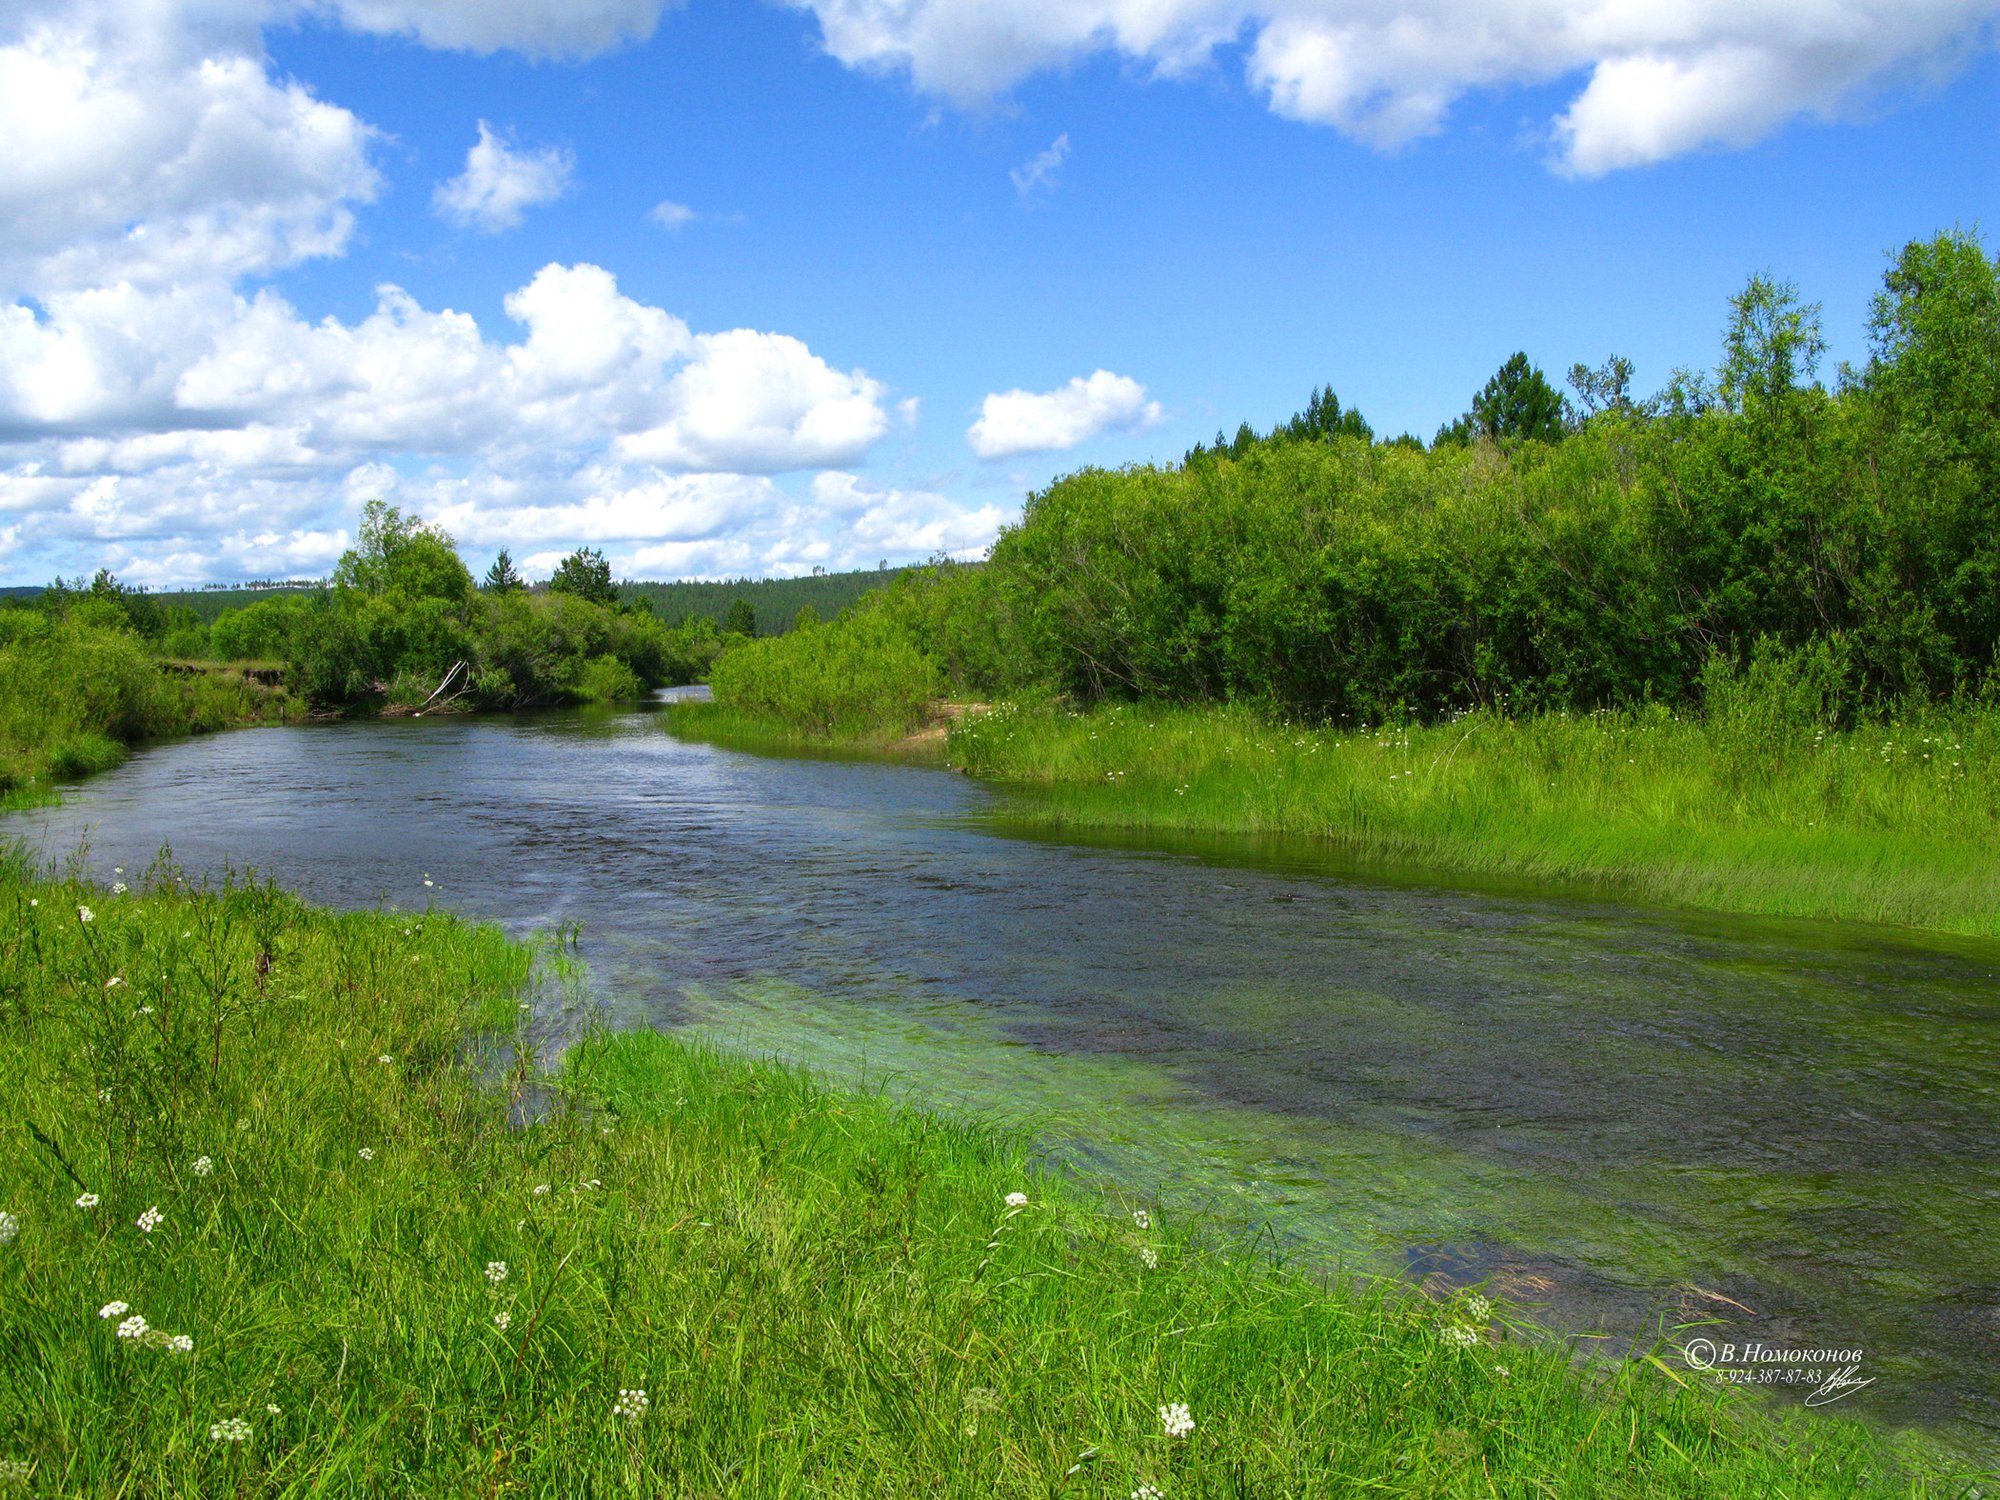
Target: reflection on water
(1624, 1115)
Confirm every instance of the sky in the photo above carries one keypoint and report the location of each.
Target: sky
(727, 288)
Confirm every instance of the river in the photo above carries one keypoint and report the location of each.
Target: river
(1622, 1120)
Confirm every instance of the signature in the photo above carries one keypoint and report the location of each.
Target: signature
(1840, 1383)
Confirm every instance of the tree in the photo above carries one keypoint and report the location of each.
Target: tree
(1323, 420)
(741, 618)
(404, 555)
(501, 577)
(586, 575)
(1606, 388)
(1518, 402)
(1773, 346)
(1934, 329)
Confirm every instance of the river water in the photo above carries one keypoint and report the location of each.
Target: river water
(1622, 1120)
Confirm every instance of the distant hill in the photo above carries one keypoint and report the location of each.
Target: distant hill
(776, 600)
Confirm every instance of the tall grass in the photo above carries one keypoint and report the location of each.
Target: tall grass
(279, 1222)
(1749, 809)
(74, 694)
(863, 677)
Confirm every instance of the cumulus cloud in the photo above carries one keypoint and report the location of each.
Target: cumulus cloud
(536, 28)
(143, 422)
(1041, 172)
(904, 523)
(1014, 422)
(761, 402)
(595, 368)
(499, 184)
(1664, 76)
(156, 157)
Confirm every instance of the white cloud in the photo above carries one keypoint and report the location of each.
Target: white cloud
(1041, 172)
(672, 216)
(1666, 76)
(157, 158)
(537, 28)
(1013, 422)
(151, 424)
(499, 185)
(595, 369)
(904, 523)
(760, 402)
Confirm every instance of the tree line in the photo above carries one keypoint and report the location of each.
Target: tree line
(1543, 551)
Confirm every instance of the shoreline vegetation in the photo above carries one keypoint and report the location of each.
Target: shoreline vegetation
(297, 1208)
(1734, 646)
(1889, 824)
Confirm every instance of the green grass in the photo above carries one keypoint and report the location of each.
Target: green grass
(1894, 823)
(75, 694)
(342, 1126)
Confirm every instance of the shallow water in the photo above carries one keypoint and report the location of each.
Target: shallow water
(1627, 1119)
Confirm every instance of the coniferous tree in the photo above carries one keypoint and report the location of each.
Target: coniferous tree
(1517, 403)
(501, 578)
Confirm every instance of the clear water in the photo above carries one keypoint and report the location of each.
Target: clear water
(1624, 1119)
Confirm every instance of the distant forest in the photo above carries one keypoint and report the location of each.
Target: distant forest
(773, 602)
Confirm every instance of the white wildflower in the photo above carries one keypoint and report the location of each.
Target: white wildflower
(1143, 1219)
(85, 914)
(104, 1096)
(271, 1407)
(87, 1200)
(384, 1058)
(1147, 1492)
(496, 1271)
(114, 981)
(117, 887)
(133, 1327)
(229, 1430)
(631, 1405)
(9, 1227)
(114, 1309)
(1477, 1308)
(144, 1010)
(203, 1166)
(180, 1343)
(16, 1471)
(150, 1220)
(1459, 1336)
(1017, 1200)
(1177, 1419)
(1149, 1257)
(501, 1319)
(366, 1153)
(540, 1188)
(1501, 1371)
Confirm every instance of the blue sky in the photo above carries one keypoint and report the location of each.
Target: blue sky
(871, 322)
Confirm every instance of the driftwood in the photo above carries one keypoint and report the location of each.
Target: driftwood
(398, 711)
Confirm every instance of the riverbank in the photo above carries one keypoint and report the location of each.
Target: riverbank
(261, 1127)
(75, 696)
(1891, 823)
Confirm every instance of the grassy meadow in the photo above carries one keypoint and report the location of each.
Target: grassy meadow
(293, 1207)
